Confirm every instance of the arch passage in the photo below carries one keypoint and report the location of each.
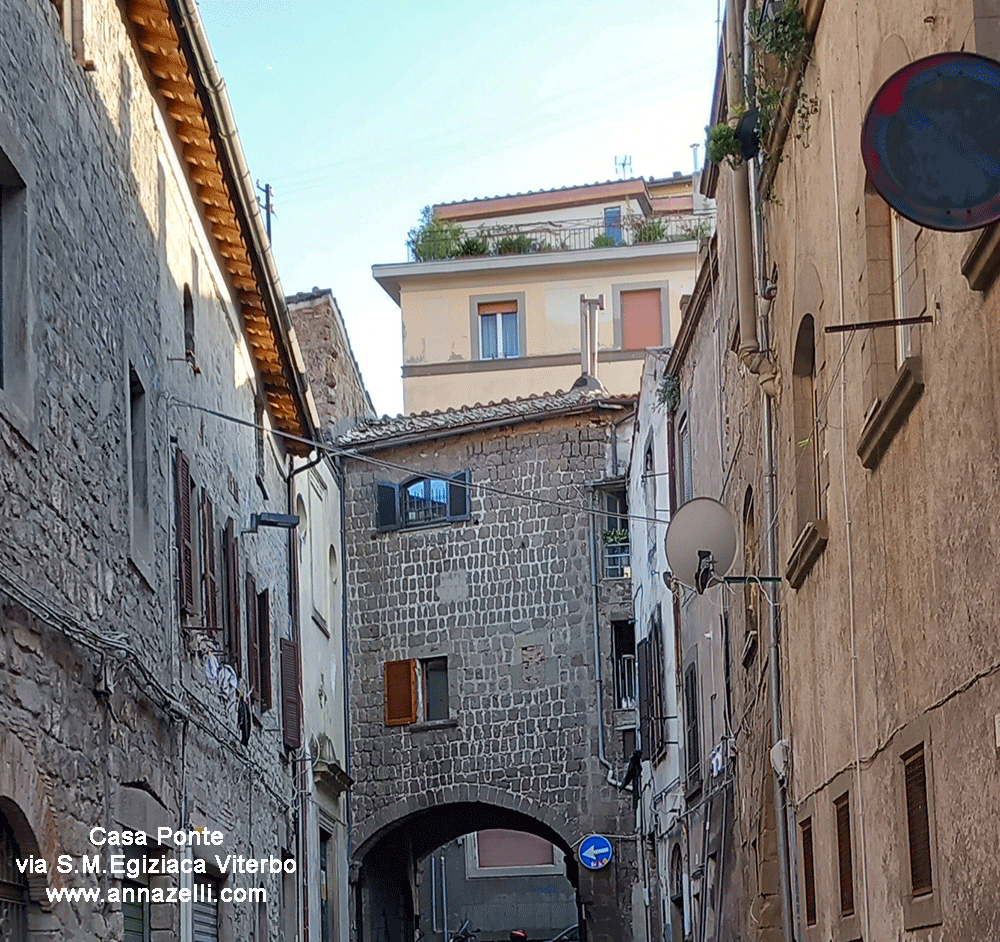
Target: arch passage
(386, 864)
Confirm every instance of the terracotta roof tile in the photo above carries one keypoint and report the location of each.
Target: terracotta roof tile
(450, 421)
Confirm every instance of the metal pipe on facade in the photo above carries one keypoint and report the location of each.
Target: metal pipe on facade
(753, 353)
(774, 654)
(598, 674)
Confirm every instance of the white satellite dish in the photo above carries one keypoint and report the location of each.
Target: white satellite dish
(701, 543)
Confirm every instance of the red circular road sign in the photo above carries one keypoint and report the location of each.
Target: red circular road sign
(931, 141)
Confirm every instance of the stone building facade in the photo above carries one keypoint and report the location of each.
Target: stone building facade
(334, 375)
(481, 645)
(490, 305)
(342, 401)
(148, 651)
(857, 466)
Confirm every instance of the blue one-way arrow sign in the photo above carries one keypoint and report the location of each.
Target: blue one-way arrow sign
(595, 852)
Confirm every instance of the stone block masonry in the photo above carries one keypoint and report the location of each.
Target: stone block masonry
(507, 597)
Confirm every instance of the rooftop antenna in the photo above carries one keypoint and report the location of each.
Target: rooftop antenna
(623, 166)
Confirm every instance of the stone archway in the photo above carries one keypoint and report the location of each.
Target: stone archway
(24, 800)
(384, 863)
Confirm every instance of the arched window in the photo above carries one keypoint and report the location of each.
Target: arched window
(805, 424)
(424, 500)
(676, 876)
(13, 888)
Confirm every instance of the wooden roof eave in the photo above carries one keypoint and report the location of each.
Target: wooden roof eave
(172, 63)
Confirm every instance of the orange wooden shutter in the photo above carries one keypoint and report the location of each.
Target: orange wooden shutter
(185, 535)
(400, 692)
(641, 324)
(498, 307)
(291, 700)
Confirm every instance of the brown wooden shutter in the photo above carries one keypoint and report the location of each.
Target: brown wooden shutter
(693, 739)
(645, 697)
(185, 534)
(232, 595)
(809, 871)
(264, 640)
(211, 575)
(918, 823)
(400, 692)
(253, 641)
(291, 700)
(842, 807)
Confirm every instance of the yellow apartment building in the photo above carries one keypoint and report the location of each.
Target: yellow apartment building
(491, 296)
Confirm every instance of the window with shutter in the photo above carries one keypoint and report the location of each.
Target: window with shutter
(641, 316)
(231, 565)
(435, 680)
(422, 501)
(918, 822)
(808, 871)
(211, 577)
(845, 865)
(135, 912)
(645, 697)
(264, 645)
(291, 695)
(205, 910)
(253, 639)
(400, 692)
(185, 534)
(693, 738)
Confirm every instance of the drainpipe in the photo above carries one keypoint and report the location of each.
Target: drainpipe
(752, 353)
(598, 674)
(743, 197)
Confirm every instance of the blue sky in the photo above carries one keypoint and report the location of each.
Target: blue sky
(359, 115)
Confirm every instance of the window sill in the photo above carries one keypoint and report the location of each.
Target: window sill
(981, 263)
(426, 725)
(320, 622)
(922, 912)
(18, 420)
(889, 415)
(144, 568)
(807, 549)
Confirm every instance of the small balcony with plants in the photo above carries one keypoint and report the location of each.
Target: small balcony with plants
(438, 239)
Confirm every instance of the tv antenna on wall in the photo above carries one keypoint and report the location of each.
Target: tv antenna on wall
(623, 166)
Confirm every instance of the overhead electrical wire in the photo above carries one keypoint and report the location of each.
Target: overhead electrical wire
(339, 451)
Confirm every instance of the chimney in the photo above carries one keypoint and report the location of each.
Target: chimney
(588, 342)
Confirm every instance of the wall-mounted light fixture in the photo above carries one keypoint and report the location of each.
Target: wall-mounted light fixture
(282, 521)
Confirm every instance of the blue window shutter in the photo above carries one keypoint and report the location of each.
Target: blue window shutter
(458, 496)
(387, 506)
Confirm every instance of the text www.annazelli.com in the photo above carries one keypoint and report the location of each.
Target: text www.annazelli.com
(202, 893)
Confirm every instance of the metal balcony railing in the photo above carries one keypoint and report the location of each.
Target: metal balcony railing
(442, 240)
(616, 560)
(625, 682)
